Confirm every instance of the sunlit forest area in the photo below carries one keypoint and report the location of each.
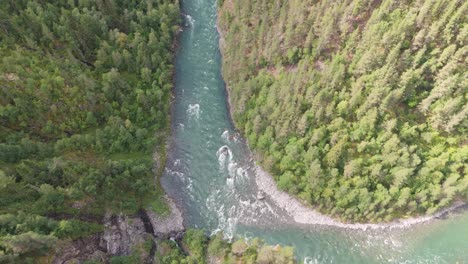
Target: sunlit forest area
(217, 250)
(357, 107)
(84, 103)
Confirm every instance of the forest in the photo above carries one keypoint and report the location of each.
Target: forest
(84, 104)
(357, 107)
(197, 248)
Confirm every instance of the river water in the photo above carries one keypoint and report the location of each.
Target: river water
(210, 173)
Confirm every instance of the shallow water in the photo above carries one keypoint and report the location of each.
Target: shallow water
(210, 173)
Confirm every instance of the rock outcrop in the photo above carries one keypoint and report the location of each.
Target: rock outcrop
(167, 226)
(122, 233)
(80, 250)
(123, 236)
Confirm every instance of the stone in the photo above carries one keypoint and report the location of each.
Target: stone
(168, 225)
(122, 234)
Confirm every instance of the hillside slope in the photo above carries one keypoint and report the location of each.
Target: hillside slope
(357, 107)
(84, 103)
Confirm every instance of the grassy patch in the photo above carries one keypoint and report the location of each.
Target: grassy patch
(159, 204)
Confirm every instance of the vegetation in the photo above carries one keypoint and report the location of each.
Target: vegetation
(197, 248)
(358, 107)
(84, 102)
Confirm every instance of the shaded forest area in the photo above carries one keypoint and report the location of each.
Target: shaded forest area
(357, 107)
(84, 104)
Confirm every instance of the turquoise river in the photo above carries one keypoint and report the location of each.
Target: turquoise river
(211, 176)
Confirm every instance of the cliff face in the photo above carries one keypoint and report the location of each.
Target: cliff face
(122, 237)
(357, 107)
(134, 238)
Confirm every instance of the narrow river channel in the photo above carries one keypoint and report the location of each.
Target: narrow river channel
(210, 173)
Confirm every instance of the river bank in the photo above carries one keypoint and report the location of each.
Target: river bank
(306, 215)
(219, 192)
(303, 214)
(170, 224)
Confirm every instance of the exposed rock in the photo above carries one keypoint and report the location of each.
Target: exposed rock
(167, 226)
(261, 195)
(82, 203)
(80, 250)
(9, 76)
(215, 260)
(122, 234)
(156, 161)
(99, 256)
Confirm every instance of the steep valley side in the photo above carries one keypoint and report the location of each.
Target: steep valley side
(357, 107)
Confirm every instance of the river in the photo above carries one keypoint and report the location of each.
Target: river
(211, 175)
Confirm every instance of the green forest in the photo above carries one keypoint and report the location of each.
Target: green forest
(357, 107)
(84, 103)
(197, 248)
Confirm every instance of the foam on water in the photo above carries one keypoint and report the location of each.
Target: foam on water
(230, 182)
(225, 136)
(232, 170)
(310, 260)
(182, 177)
(226, 220)
(189, 21)
(225, 157)
(242, 173)
(193, 111)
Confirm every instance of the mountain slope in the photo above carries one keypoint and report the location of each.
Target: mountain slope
(84, 103)
(357, 107)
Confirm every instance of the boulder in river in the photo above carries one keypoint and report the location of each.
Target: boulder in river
(261, 195)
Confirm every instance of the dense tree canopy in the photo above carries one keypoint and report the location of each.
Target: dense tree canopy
(84, 102)
(197, 248)
(358, 107)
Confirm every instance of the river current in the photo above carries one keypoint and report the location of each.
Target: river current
(211, 173)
